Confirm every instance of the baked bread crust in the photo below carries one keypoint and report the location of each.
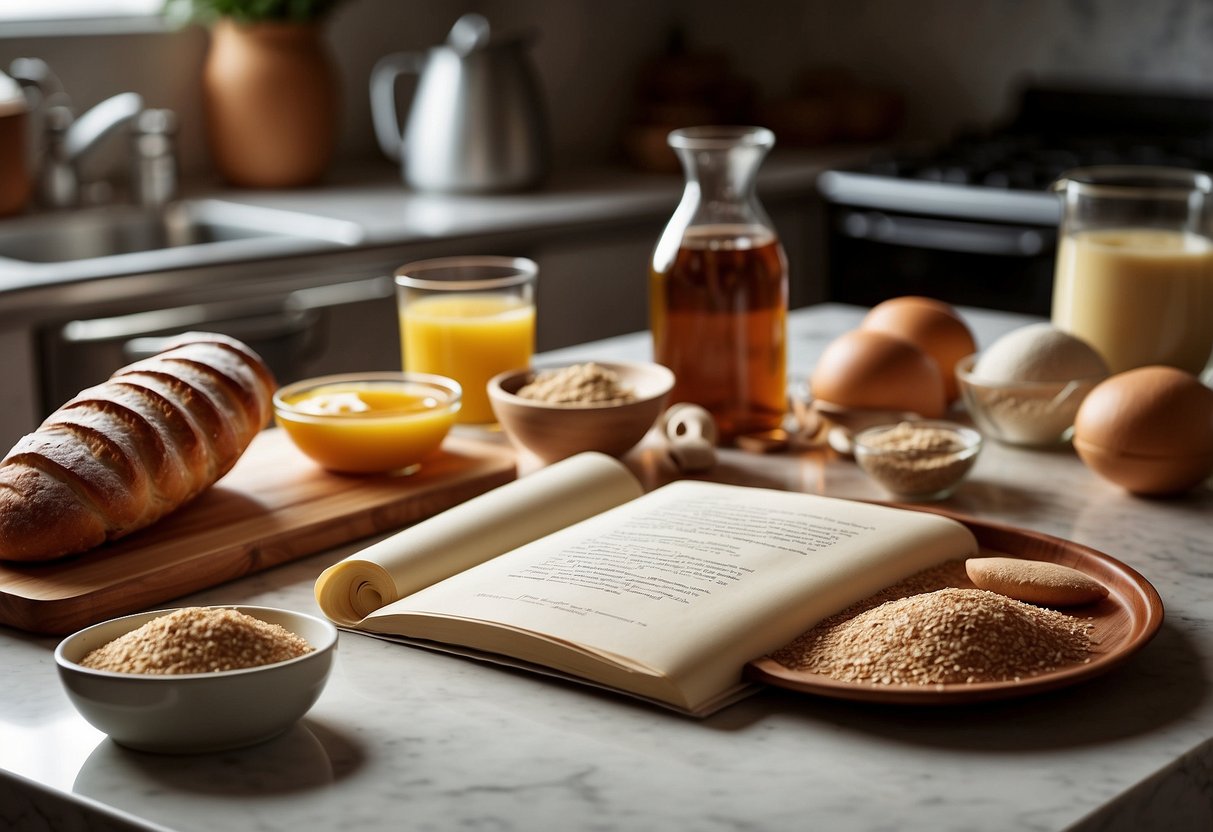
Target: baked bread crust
(1036, 582)
(121, 455)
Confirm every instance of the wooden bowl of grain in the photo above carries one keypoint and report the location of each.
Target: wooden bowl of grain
(197, 679)
(557, 411)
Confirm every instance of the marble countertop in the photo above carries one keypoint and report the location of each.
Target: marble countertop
(407, 739)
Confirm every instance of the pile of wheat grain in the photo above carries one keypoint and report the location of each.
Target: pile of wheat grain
(198, 640)
(925, 632)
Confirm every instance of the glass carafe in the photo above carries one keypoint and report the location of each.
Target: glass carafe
(1135, 265)
(718, 285)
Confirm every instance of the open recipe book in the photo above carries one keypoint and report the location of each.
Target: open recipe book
(666, 595)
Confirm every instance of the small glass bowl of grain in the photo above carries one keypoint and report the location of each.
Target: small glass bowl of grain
(920, 460)
(197, 679)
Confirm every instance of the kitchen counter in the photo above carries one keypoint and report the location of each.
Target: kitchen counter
(380, 215)
(407, 739)
(316, 295)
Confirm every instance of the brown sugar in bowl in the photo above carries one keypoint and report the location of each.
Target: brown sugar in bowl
(196, 712)
(553, 431)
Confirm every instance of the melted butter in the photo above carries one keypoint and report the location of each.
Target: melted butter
(389, 429)
(328, 402)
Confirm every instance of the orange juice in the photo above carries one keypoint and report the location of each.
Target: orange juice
(470, 338)
(365, 428)
(1139, 296)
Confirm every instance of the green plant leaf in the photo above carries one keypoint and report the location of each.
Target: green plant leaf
(250, 11)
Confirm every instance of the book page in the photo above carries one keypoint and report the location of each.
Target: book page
(472, 532)
(689, 582)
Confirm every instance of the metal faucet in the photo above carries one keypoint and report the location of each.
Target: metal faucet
(39, 81)
(154, 170)
(70, 139)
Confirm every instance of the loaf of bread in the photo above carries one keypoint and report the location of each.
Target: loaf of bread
(121, 455)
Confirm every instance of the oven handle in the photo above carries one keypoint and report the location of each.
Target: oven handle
(947, 235)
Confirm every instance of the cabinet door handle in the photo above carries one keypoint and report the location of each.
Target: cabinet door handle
(342, 294)
(199, 316)
(283, 326)
(178, 318)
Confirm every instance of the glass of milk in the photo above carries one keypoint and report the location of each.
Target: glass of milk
(1134, 274)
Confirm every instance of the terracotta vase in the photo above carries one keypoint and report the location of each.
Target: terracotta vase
(271, 103)
(16, 184)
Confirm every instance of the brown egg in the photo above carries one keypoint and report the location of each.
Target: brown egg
(870, 370)
(931, 325)
(1149, 430)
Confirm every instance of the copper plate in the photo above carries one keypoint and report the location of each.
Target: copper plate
(1124, 622)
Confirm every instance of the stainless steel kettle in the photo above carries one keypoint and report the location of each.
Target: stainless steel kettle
(476, 123)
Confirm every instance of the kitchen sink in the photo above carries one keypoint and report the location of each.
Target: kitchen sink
(199, 224)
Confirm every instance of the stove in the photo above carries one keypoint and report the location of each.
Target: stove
(973, 221)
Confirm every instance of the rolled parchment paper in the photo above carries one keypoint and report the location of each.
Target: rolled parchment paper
(473, 532)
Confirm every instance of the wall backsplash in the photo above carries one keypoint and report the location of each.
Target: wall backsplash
(956, 63)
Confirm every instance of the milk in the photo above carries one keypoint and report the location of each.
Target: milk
(1138, 295)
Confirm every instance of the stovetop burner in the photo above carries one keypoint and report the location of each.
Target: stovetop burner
(1032, 162)
(1004, 174)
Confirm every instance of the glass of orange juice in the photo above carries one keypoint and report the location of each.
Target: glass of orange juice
(467, 318)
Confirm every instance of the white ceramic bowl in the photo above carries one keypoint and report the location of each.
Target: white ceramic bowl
(196, 712)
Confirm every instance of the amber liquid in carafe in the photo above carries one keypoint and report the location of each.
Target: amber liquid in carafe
(719, 320)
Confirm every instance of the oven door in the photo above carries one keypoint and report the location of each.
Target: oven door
(874, 255)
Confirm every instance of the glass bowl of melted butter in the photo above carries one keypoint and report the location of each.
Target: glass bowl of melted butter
(369, 423)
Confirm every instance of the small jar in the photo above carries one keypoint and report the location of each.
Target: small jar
(918, 461)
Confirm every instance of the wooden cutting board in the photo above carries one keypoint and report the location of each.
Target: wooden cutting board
(274, 506)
